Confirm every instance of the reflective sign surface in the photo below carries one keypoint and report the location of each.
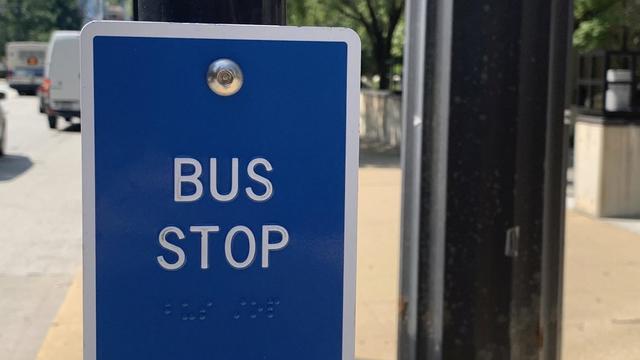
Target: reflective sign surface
(219, 227)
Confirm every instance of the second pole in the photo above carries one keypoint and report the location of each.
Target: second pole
(257, 12)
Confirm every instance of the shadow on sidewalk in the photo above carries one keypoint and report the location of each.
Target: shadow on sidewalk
(379, 155)
(75, 127)
(12, 166)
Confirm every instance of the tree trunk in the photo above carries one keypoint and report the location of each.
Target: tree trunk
(383, 63)
(385, 80)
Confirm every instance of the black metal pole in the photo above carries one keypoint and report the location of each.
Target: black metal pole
(555, 182)
(134, 4)
(266, 12)
(483, 183)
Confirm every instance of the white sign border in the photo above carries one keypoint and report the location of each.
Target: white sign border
(231, 32)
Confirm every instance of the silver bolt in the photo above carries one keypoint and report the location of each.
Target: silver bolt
(224, 77)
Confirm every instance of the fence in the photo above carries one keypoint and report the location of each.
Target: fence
(380, 117)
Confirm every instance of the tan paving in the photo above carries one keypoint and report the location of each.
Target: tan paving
(378, 263)
(602, 293)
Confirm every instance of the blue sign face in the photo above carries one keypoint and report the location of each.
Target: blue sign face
(219, 227)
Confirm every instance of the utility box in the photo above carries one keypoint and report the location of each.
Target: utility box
(607, 134)
(607, 167)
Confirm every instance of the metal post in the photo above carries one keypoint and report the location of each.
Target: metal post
(483, 179)
(134, 4)
(424, 158)
(266, 12)
(555, 182)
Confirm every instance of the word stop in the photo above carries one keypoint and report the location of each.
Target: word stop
(236, 233)
(272, 237)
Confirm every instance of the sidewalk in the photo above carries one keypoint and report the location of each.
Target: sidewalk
(602, 308)
(602, 292)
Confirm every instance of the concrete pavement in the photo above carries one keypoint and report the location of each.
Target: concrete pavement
(378, 256)
(40, 225)
(601, 293)
(64, 338)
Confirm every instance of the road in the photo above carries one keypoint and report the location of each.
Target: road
(40, 222)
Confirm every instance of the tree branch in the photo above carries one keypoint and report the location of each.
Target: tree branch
(350, 10)
(394, 17)
(374, 19)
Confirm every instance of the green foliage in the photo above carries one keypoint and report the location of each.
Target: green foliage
(606, 24)
(34, 20)
(378, 22)
(312, 13)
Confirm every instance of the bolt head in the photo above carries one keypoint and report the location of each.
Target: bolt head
(224, 77)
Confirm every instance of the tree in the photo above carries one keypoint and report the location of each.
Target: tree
(66, 15)
(606, 24)
(34, 20)
(380, 18)
(378, 23)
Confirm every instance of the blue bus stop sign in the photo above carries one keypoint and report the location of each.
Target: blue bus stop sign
(219, 224)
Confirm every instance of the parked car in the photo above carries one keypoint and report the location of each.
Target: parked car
(3, 70)
(3, 127)
(61, 87)
(25, 65)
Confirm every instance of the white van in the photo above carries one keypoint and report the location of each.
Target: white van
(25, 65)
(61, 88)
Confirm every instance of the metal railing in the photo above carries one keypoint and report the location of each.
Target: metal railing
(607, 84)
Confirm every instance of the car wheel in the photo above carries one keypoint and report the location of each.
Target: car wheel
(53, 121)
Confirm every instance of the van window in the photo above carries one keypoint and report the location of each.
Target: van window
(25, 72)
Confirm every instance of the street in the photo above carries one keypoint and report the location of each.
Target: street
(40, 215)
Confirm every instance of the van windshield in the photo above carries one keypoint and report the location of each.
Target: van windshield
(29, 72)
